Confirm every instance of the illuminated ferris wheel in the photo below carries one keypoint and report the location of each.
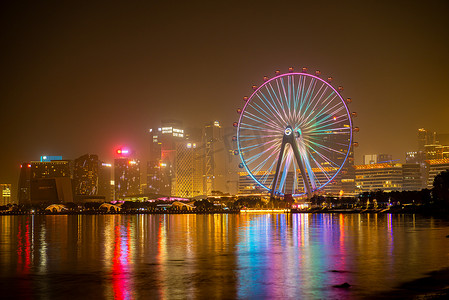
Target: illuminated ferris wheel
(294, 133)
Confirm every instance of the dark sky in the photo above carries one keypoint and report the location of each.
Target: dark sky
(82, 78)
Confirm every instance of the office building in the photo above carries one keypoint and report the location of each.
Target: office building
(411, 177)
(5, 194)
(189, 170)
(85, 175)
(105, 182)
(45, 181)
(162, 155)
(126, 177)
(216, 161)
(386, 177)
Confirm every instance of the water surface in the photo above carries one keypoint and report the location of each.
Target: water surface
(243, 256)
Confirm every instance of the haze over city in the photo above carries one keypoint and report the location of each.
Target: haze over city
(85, 78)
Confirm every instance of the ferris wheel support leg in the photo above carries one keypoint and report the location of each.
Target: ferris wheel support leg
(278, 166)
(301, 168)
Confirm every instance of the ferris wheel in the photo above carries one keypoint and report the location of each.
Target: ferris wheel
(294, 133)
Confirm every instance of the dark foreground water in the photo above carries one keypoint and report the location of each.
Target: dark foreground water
(247, 256)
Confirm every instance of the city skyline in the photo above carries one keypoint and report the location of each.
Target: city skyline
(98, 81)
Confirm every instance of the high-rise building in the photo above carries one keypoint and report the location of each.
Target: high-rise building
(126, 177)
(45, 181)
(5, 194)
(105, 182)
(189, 170)
(216, 162)
(85, 175)
(161, 161)
(426, 137)
(24, 187)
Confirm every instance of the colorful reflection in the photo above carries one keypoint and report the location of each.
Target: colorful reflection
(295, 256)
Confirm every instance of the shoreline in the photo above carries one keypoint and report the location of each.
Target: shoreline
(430, 213)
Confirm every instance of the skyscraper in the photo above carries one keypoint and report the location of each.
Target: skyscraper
(189, 170)
(5, 193)
(85, 175)
(216, 161)
(161, 161)
(126, 177)
(105, 188)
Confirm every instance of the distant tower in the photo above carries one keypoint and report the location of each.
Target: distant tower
(215, 159)
(160, 166)
(105, 188)
(189, 170)
(85, 175)
(126, 175)
(24, 188)
(5, 193)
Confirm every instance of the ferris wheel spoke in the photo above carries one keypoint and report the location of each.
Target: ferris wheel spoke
(307, 96)
(317, 98)
(275, 98)
(324, 158)
(255, 146)
(267, 114)
(255, 157)
(247, 126)
(256, 119)
(259, 167)
(274, 112)
(312, 116)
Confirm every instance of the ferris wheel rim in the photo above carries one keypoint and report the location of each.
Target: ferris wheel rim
(250, 98)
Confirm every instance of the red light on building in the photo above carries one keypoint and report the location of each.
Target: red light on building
(122, 151)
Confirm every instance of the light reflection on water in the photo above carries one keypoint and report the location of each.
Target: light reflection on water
(216, 256)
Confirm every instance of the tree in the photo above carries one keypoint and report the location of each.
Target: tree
(441, 188)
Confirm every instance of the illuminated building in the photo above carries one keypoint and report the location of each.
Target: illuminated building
(411, 177)
(45, 181)
(126, 177)
(384, 158)
(435, 167)
(425, 138)
(85, 175)
(370, 159)
(5, 193)
(216, 159)
(105, 182)
(162, 155)
(434, 151)
(248, 186)
(386, 177)
(189, 170)
(24, 186)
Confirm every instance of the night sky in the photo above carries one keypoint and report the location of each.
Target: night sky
(82, 78)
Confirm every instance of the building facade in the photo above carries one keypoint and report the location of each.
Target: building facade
(162, 154)
(189, 180)
(126, 177)
(386, 177)
(85, 175)
(435, 167)
(5, 194)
